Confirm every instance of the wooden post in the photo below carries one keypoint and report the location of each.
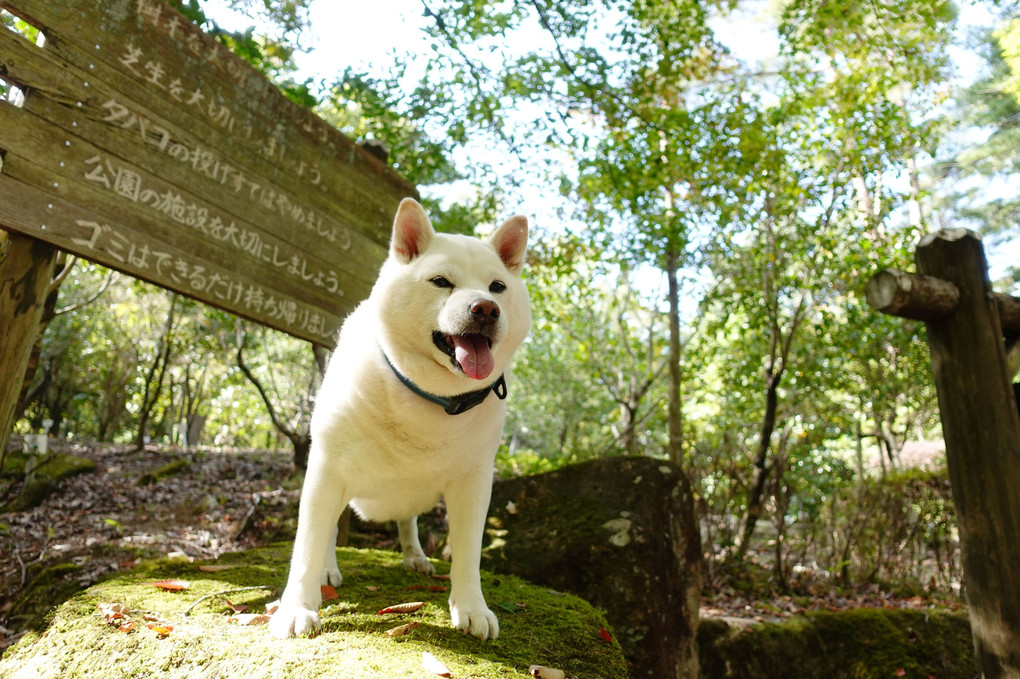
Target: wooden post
(982, 433)
(26, 270)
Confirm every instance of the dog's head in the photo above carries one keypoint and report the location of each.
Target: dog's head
(452, 301)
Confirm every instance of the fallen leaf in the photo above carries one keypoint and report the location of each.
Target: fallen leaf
(127, 627)
(162, 631)
(546, 672)
(412, 588)
(372, 588)
(401, 630)
(441, 576)
(437, 588)
(272, 606)
(113, 612)
(244, 619)
(604, 635)
(171, 585)
(328, 592)
(409, 607)
(214, 568)
(236, 608)
(900, 672)
(435, 665)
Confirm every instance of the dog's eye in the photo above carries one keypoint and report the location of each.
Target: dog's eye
(497, 287)
(440, 282)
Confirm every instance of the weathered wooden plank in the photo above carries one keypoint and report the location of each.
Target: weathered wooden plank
(147, 51)
(982, 433)
(61, 166)
(98, 237)
(180, 157)
(26, 268)
(163, 139)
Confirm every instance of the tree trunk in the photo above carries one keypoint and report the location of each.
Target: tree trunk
(755, 497)
(686, 519)
(299, 438)
(157, 373)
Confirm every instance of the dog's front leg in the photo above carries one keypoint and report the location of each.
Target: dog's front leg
(467, 502)
(322, 499)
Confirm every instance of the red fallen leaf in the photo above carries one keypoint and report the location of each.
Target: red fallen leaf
(328, 592)
(127, 627)
(409, 607)
(604, 635)
(437, 588)
(441, 576)
(900, 672)
(435, 665)
(171, 585)
(412, 588)
(162, 631)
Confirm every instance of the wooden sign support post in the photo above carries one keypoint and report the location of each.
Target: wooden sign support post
(965, 323)
(26, 269)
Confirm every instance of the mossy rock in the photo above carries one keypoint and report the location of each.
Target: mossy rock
(863, 643)
(48, 475)
(160, 473)
(52, 585)
(537, 627)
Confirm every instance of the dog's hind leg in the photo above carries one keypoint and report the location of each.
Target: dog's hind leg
(331, 573)
(410, 545)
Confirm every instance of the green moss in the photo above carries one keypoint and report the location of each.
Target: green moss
(51, 586)
(548, 629)
(863, 643)
(169, 469)
(48, 475)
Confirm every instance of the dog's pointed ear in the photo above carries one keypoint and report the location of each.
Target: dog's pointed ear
(511, 242)
(412, 231)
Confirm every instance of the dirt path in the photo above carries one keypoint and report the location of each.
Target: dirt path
(104, 521)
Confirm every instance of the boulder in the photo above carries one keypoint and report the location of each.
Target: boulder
(176, 619)
(608, 531)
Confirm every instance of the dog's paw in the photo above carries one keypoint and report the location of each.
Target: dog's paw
(419, 563)
(476, 620)
(332, 577)
(293, 621)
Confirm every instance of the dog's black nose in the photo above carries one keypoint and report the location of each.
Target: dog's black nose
(483, 311)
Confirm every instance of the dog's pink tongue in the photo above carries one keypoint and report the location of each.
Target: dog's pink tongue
(473, 355)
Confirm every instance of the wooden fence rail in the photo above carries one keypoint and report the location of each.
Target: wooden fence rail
(966, 323)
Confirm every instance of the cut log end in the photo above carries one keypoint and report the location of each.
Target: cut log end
(921, 298)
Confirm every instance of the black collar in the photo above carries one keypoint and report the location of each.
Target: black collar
(454, 405)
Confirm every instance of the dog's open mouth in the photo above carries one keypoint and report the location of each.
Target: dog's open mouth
(472, 353)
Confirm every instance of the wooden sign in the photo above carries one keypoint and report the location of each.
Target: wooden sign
(135, 140)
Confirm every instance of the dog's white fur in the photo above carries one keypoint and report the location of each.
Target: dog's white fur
(391, 453)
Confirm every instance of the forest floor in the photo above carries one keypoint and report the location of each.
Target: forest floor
(230, 500)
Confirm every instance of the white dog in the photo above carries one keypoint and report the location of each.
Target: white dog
(405, 412)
